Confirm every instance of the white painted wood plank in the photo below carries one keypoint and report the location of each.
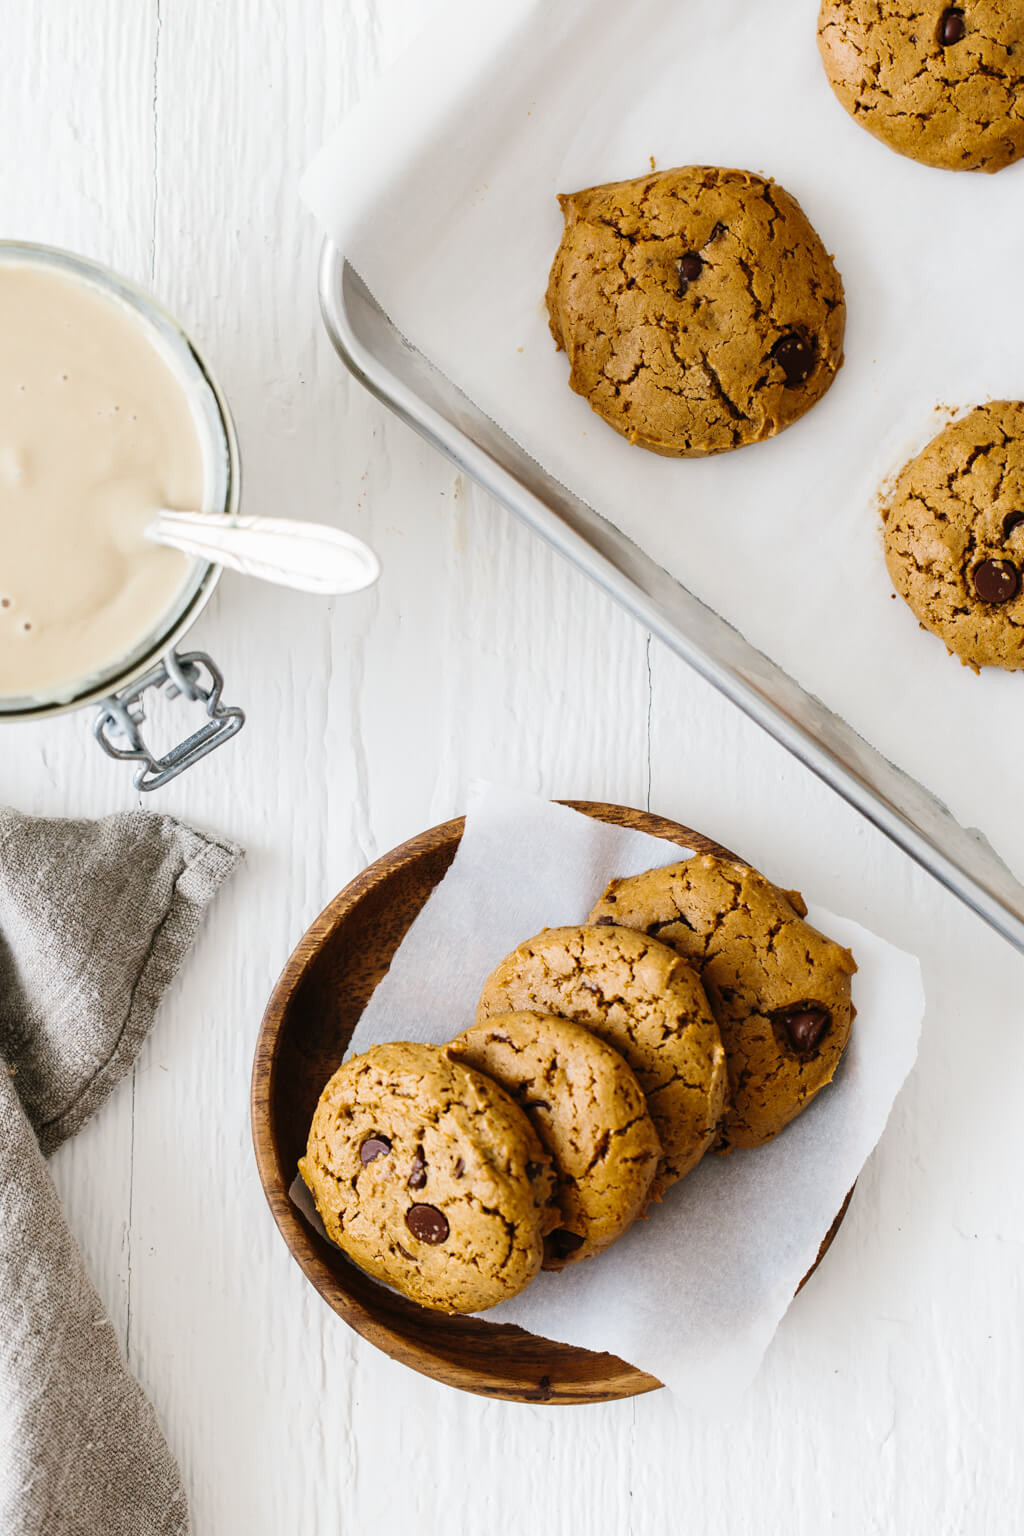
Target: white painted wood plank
(76, 120)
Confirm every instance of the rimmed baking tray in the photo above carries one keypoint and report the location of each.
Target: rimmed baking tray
(393, 370)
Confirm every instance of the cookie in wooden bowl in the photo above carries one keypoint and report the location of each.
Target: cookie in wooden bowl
(642, 999)
(779, 989)
(589, 1111)
(430, 1178)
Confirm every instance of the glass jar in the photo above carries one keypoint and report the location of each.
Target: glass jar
(155, 662)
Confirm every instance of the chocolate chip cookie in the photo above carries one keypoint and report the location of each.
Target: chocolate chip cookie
(639, 997)
(779, 989)
(953, 529)
(940, 83)
(587, 1108)
(698, 308)
(430, 1178)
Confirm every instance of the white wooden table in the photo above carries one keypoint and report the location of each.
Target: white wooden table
(166, 137)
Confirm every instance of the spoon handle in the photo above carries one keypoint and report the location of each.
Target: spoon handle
(308, 556)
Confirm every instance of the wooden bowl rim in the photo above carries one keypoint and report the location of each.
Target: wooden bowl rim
(622, 1380)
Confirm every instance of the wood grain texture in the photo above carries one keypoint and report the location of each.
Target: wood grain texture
(307, 1027)
(166, 136)
(312, 1013)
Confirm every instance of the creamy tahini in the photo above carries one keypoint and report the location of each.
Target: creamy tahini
(96, 432)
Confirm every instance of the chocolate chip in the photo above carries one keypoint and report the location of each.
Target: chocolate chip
(605, 922)
(562, 1242)
(795, 356)
(690, 267)
(459, 1168)
(418, 1176)
(374, 1146)
(405, 1253)
(952, 27)
(1011, 521)
(427, 1223)
(996, 581)
(805, 1025)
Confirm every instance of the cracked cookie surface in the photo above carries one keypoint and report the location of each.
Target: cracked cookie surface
(588, 1110)
(779, 989)
(430, 1178)
(953, 530)
(698, 308)
(942, 84)
(644, 1001)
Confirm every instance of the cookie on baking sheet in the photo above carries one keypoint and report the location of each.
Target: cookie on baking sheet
(430, 1178)
(698, 308)
(953, 529)
(639, 997)
(587, 1108)
(942, 84)
(780, 990)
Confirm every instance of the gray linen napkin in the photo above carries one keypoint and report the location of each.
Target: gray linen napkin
(95, 918)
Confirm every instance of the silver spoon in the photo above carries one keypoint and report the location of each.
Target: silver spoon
(308, 556)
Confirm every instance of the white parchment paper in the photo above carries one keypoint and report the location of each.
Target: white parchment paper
(693, 1293)
(441, 191)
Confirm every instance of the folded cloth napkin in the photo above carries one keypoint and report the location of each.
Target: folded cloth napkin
(95, 918)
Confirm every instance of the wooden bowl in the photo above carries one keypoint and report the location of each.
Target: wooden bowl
(304, 1035)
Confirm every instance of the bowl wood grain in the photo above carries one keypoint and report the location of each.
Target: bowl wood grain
(306, 1029)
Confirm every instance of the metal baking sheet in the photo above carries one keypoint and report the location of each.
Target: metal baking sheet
(392, 368)
(440, 191)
